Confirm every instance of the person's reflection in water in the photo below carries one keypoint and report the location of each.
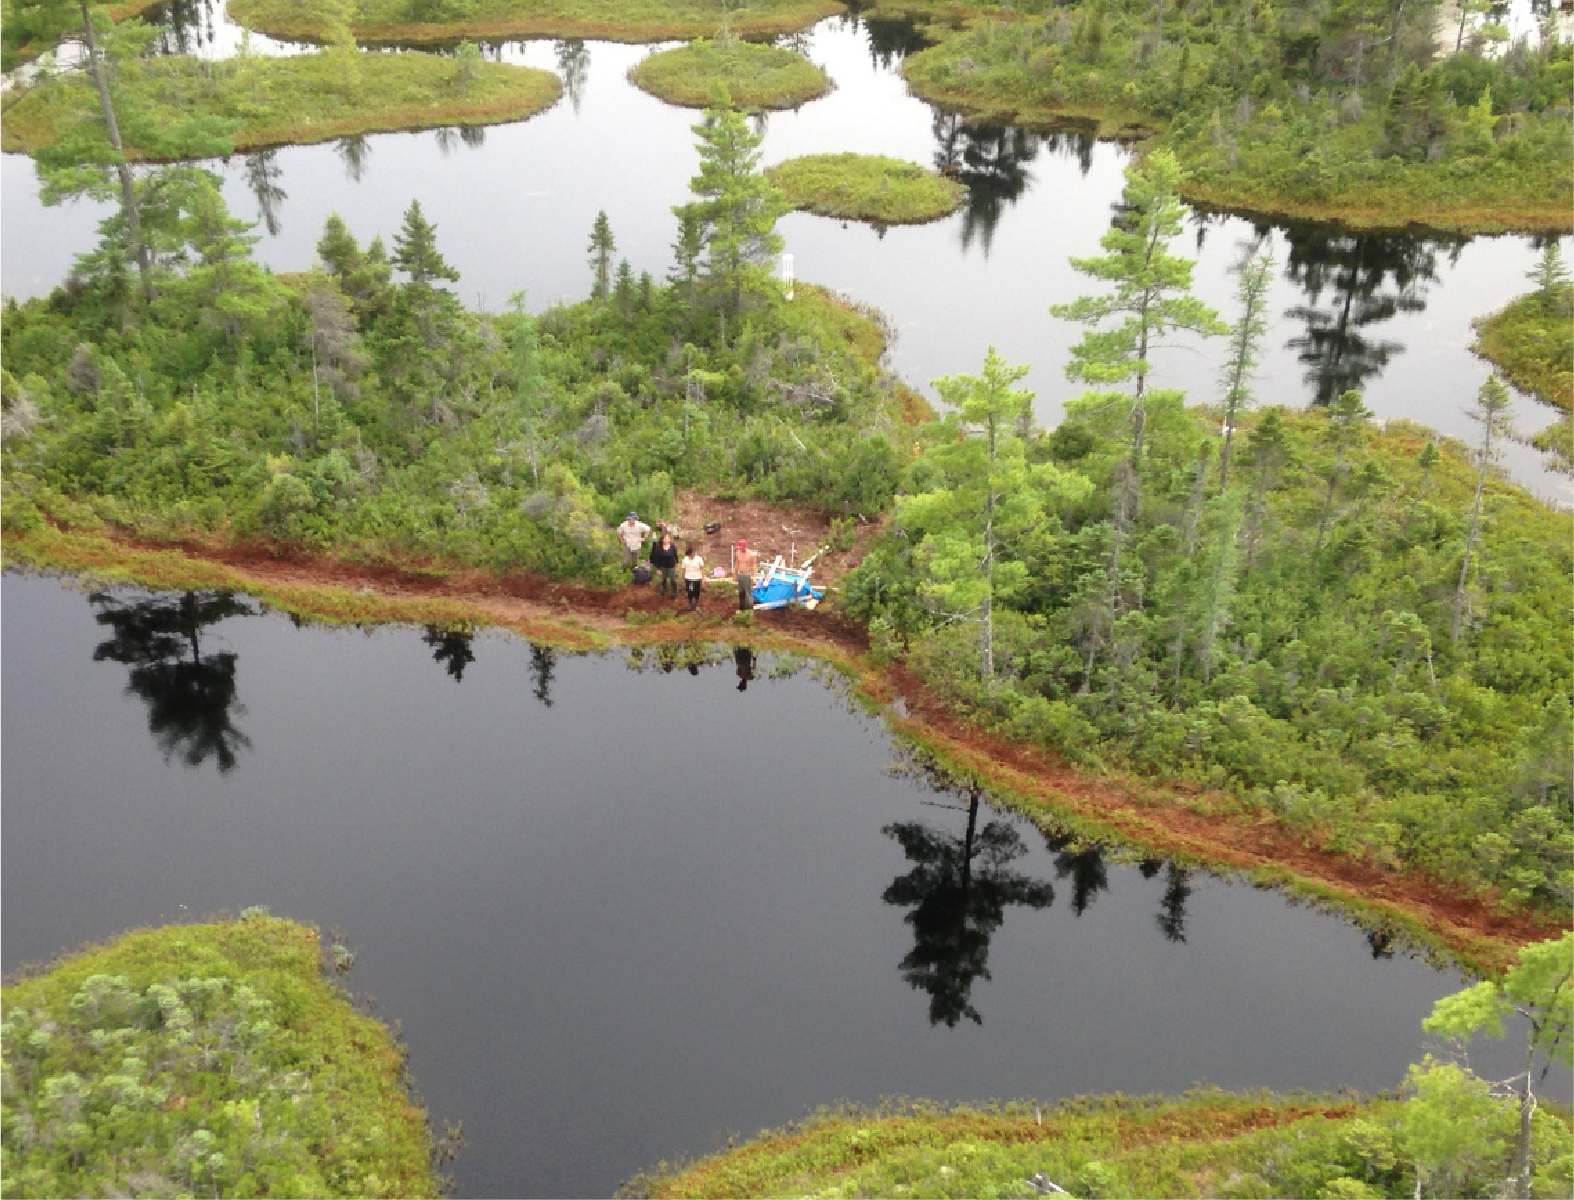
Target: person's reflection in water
(190, 699)
(743, 658)
(958, 891)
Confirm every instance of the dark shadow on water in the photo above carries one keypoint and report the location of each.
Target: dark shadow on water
(190, 695)
(353, 150)
(992, 161)
(263, 173)
(890, 39)
(452, 649)
(1354, 282)
(958, 891)
(186, 25)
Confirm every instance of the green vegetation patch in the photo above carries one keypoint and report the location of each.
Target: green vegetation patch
(1304, 113)
(1532, 343)
(755, 76)
(294, 100)
(204, 1060)
(416, 21)
(865, 187)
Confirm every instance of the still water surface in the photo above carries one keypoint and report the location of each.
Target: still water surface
(622, 914)
(514, 205)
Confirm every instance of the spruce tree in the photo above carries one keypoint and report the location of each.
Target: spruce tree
(415, 249)
(1491, 412)
(1245, 338)
(602, 248)
(736, 207)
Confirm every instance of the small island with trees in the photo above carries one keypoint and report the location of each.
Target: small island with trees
(867, 187)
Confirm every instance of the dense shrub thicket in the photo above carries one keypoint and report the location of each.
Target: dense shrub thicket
(341, 408)
(1355, 110)
(204, 1060)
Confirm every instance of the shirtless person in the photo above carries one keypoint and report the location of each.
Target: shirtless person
(744, 563)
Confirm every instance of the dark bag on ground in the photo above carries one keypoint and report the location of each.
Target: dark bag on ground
(641, 572)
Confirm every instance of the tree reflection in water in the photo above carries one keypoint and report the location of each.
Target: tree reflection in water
(188, 26)
(543, 662)
(190, 700)
(353, 150)
(992, 161)
(451, 648)
(1369, 278)
(1083, 865)
(573, 67)
(262, 175)
(890, 40)
(958, 891)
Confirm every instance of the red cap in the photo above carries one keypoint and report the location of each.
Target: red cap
(742, 545)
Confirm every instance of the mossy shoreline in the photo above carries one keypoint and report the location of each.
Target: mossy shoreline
(382, 24)
(1137, 828)
(319, 97)
(862, 187)
(213, 1058)
(755, 76)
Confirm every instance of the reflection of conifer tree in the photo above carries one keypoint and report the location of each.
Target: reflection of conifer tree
(958, 890)
(1086, 870)
(262, 175)
(543, 661)
(1073, 143)
(473, 136)
(573, 67)
(1381, 941)
(189, 700)
(1149, 867)
(1172, 909)
(992, 161)
(451, 648)
(353, 151)
(1370, 278)
(890, 41)
(188, 25)
(446, 137)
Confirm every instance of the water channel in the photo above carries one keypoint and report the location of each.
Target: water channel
(623, 914)
(514, 204)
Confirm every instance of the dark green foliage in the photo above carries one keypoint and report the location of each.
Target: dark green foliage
(1324, 110)
(351, 411)
(1316, 686)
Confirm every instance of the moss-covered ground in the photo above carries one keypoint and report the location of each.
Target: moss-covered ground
(754, 75)
(204, 1060)
(866, 187)
(295, 100)
(444, 21)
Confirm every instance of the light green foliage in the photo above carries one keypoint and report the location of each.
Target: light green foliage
(984, 497)
(736, 209)
(1538, 989)
(177, 107)
(204, 1059)
(755, 75)
(1329, 110)
(1151, 295)
(863, 187)
(364, 411)
(1455, 1130)
(427, 21)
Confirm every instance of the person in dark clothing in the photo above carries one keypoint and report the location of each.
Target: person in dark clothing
(664, 561)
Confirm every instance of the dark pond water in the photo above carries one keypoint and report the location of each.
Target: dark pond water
(514, 206)
(623, 914)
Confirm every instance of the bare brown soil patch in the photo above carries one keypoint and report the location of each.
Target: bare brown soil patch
(1148, 815)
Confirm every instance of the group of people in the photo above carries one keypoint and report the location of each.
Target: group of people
(665, 563)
